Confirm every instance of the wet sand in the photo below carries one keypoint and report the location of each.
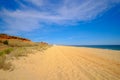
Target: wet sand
(66, 63)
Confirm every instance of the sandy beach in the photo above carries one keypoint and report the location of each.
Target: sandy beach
(66, 63)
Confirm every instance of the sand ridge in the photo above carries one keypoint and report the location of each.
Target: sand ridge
(66, 63)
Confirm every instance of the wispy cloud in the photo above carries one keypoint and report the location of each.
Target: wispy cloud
(32, 13)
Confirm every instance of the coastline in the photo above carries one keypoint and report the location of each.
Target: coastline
(66, 63)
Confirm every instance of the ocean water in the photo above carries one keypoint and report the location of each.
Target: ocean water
(111, 47)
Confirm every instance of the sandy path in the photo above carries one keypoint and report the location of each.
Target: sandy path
(66, 63)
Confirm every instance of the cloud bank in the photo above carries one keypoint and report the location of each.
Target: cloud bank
(31, 14)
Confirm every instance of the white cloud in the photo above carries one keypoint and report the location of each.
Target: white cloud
(36, 2)
(65, 12)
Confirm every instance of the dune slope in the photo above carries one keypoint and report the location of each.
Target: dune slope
(66, 63)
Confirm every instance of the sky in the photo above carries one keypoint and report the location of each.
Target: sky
(66, 22)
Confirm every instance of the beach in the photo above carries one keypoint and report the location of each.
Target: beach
(66, 63)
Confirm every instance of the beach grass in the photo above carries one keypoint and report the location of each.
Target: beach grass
(10, 49)
(6, 51)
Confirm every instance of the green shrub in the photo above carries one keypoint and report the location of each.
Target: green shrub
(1, 53)
(5, 42)
(6, 51)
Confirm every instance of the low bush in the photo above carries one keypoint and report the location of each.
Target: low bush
(6, 51)
(5, 42)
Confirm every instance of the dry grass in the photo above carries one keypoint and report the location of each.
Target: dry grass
(4, 64)
(17, 49)
(3, 59)
(19, 43)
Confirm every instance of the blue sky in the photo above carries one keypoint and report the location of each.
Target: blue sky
(68, 22)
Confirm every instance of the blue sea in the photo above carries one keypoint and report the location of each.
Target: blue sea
(111, 47)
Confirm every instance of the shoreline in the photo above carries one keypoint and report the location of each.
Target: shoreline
(93, 46)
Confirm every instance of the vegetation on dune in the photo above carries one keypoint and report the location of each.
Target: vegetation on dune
(6, 51)
(15, 47)
(4, 64)
(5, 42)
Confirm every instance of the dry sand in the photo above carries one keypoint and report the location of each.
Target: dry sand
(66, 63)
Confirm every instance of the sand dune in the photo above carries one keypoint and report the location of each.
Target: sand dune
(66, 63)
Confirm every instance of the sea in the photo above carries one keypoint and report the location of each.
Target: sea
(110, 47)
